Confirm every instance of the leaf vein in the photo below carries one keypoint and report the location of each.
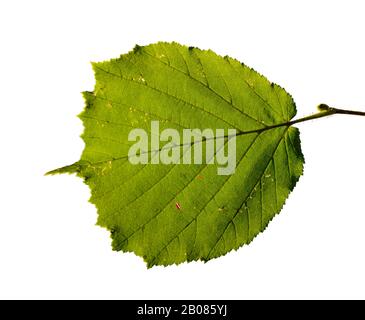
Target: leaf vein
(238, 210)
(169, 95)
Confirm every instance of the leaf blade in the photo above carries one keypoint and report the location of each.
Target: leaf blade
(174, 213)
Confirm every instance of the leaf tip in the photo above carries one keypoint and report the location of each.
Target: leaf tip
(51, 173)
(73, 168)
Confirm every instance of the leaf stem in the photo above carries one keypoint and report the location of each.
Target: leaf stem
(324, 111)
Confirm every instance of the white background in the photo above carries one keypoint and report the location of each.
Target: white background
(49, 244)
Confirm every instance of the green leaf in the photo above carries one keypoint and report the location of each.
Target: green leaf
(173, 213)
